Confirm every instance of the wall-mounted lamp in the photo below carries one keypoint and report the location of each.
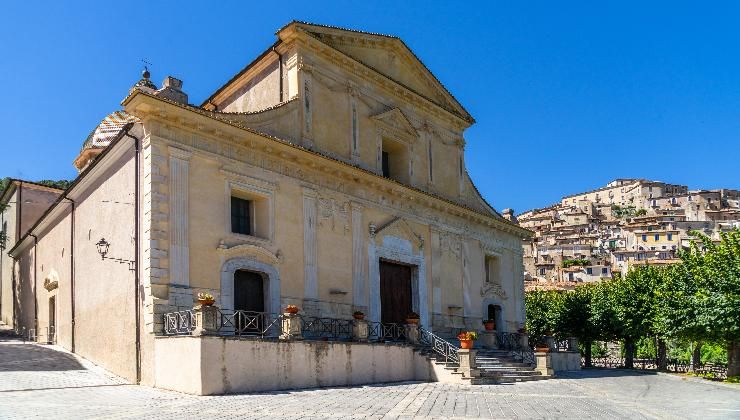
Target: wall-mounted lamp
(103, 247)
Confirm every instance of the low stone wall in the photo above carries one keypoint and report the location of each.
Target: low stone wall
(565, 360)
(221, 365)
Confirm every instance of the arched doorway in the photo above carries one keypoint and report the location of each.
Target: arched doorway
(494, 313)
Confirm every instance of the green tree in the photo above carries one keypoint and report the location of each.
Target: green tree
(542, 309)
(702, 294)
(574, 317)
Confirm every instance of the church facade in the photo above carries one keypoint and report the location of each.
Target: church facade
(328, 174)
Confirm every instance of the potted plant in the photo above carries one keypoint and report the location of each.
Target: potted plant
(291, 309)
(466, 339)
(489, 324)
(206, 299)
(412, 318)
(358, 315)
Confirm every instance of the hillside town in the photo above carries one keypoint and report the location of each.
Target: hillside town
(593, 235)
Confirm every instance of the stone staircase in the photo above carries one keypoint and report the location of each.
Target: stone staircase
(495, 366)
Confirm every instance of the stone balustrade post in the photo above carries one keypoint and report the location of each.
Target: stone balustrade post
(524, 340)
(291, 327)
(550, 343)
(360, 330)
(544, 363)
(412, 333)
(572, 344)
(206, 320)
(488, 338)
(468, 366)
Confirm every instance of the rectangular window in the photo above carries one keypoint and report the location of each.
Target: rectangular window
(657, 238)
(241, 220)
(589, 270)
(620, 257)
(644, 238)
(386, 165)
(604, 271)
(670, 236)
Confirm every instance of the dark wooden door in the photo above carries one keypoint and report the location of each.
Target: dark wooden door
(249, 297)
(395, 292)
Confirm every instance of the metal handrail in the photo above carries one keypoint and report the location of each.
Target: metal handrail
(439, 345)
(250, 324)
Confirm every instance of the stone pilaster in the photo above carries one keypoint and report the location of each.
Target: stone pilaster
(206, 320)
(179, 217)
(359, 295)
(310, 254)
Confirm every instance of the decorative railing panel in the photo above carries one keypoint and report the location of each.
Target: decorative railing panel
(179, 323)
(710, 370)
(384, 331)
(250, 324)
(439, 345)
(326, 328)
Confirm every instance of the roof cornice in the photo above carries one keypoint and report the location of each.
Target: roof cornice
(143, 103)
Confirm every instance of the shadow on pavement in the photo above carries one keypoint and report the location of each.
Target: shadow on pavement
(16, 356)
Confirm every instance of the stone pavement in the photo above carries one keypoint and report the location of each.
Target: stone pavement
(42, 382)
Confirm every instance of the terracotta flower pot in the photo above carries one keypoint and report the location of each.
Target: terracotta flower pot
(542, 349)
(358, 317)
(489, 326)
(412, 320)
(206, 302)
(466, 344)
(291, 311)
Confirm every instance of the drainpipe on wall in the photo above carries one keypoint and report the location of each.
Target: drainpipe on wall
(35, 285)
(137, 153)
(72, 270)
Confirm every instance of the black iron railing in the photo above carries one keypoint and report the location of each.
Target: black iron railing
(442, 347)
(386, 331)
(327, 328)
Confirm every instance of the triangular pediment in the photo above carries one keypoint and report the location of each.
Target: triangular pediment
(396, 120)
(391, 57)
(397, 230)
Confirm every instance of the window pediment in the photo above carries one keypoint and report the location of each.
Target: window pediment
(395, 124)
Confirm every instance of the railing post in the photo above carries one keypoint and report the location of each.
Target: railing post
(360, 330)
(206, 320)
(488, 338)
(524, 341)
(573, 344)
(544, 363)
(291, 327)
(550, 343)
(412, 333)
(468, 366)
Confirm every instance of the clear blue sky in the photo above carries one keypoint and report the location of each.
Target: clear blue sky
(567, 96)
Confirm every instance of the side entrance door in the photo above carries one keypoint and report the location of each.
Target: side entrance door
(248, 297)
(395, 292)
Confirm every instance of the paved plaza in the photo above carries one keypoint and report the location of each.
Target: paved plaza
(41, 382)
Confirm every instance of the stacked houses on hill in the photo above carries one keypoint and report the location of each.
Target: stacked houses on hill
(592, 235)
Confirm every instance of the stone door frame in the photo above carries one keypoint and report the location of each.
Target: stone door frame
(271, 279)
(391, 252)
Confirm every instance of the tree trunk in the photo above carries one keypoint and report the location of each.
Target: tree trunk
(733, 358)
(662, 360)
(629, 353)
(587, 355)
(696, 356)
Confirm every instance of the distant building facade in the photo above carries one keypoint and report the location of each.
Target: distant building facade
(592, 235)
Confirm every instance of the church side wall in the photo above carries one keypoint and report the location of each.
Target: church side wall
(9, 218)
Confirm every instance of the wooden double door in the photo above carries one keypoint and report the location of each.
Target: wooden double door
(396, 300)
